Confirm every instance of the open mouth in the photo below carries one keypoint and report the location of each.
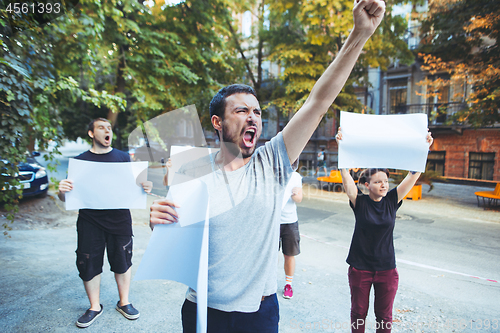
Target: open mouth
(107, 138)
(249, 137)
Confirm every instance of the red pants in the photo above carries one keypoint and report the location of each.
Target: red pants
(385, 284)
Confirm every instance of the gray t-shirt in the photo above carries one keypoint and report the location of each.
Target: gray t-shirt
(245, 208)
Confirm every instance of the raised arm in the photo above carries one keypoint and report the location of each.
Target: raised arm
(367, 16)
(405, 186)
(349, 185)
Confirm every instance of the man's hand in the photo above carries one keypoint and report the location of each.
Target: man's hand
(147, 186)
(297, 194)
(65, 185)
(167, 170)
(338, 137)
(430, 139)
(367, 15)
(163, 211)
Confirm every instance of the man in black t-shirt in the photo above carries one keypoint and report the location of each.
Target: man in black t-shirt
(109, 229)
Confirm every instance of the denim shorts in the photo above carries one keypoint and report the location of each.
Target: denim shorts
(92, 241)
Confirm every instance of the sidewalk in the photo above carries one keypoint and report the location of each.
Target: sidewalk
(454, 200)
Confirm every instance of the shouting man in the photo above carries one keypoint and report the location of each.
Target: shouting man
(109, 229)
(246, 188)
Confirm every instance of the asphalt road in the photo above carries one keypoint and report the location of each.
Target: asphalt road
(447, 249)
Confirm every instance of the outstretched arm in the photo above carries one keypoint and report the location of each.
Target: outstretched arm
(367, 16)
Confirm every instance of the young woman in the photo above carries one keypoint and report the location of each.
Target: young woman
(371, 255)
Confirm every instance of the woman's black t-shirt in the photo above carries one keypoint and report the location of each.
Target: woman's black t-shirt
(113, 221)
(372, 246)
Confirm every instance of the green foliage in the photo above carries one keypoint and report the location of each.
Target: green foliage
(16, 90)
(32, 91)
(156, 58)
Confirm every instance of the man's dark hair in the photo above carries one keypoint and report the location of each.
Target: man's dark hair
(91, 124)
(218, 103)
(367, 174)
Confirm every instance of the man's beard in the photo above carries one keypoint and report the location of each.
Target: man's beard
(99, 144)
(233, 147)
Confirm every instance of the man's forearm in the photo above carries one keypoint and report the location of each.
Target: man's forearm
(367, 15)
(335, 76)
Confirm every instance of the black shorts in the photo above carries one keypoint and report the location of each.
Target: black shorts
(290, 238)
(90, 252)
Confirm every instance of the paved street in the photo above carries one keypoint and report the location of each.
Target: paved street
(448, 252)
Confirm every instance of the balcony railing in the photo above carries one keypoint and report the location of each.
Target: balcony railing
(438, 113)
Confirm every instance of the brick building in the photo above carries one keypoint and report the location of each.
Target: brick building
(466, 153)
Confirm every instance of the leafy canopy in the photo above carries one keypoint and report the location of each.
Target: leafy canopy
(460, 38)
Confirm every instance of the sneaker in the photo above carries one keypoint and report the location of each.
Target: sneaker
(88, 318)
(288, 292)
(128, 311)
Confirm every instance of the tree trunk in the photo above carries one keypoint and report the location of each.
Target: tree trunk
(119, 88)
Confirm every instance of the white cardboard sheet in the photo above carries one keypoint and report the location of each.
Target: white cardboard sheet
(383, 141)
(106, 185)
(179, 251)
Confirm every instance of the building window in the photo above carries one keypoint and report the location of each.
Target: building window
(439, 98)
(397, 96)
(481, 165)
(436, 161)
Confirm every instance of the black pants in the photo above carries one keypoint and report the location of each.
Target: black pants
(265, 320)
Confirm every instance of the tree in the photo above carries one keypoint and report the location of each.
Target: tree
(460, 39)
(156, 57)
(106, 58)
(31, 90)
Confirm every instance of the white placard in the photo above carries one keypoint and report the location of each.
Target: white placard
(179, 251)
(383, 141)
(106, 185)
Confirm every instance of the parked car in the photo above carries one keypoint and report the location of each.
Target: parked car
(152, 154)
(32, 177)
